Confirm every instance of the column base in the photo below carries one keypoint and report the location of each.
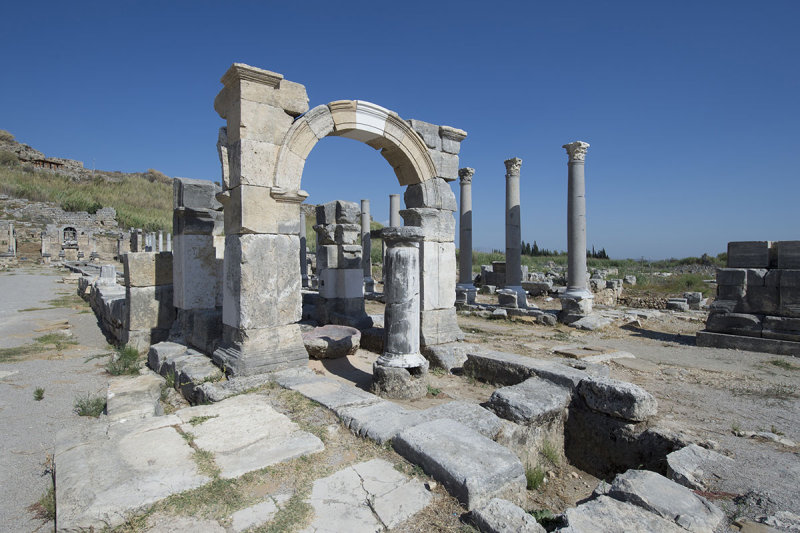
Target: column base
(575, 304)
(399, 383)
(369, 285)
(258, 351)
(522, 296)
(466, 293)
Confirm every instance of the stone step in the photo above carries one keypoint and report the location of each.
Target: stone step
(533, 402)
(472, 467)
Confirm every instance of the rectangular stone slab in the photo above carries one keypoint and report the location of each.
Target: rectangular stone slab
(473, 468)
(752, 344)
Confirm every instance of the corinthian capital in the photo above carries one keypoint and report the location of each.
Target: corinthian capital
(576, 150)
(512, 166)
(465, 174)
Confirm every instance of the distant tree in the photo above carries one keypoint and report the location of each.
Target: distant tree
(535, 249)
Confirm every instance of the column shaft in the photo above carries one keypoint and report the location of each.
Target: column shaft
(366, 246)
(465, 227)
(513, 224)
(303, 247)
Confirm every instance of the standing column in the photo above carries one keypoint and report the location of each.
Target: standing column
(366, 248)
(577, 300)
(12, 244)
(169, 242)
(160, 240)
(400, 372)
(465, 291)
(303, 257)
(394, 211)
(514, 232)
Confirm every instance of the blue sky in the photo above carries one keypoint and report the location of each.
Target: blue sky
(691, 108)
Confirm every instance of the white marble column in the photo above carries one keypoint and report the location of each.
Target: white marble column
(394, 211)
(169, 242)
(12, 244)
(160, 240)
(514, 232)
(465, 290)
(303, 248)
(366, 248)
(400, 372)
(577, 300)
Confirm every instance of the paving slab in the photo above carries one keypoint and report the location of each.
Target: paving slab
(367, 497)
(132, 398)
(693, 466)
(502, 516)
(245, 433)
(119, 470)
(162, 523)
(671, 501)
(607, 514)
(472, 467)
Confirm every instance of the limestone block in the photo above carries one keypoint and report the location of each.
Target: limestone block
(195, 194)
(434, 193)
(533, 402)
(438, 275)
(259, 122)
(327, 257)
(301, 139)
(773, 278)
(735, 324)
(252, 162)
(289, 169)
(326, 234)
(195, 272)
(261, 286)
(339, 212)
(343, 113)
(252, 210)
(206, 330)
(147, 269)
(429, 133)
(779, 327)
(761, 300)
(451, 139)
(692, 466)
(341, 283)
(439, 225)
(320, 121)
(472, 467)
(722, 306)
(187, 221)
(246, 352)
(789, 279)
(349, 256)
(331, 341)
(789, 301)
(507, 298)
(755, 276)
(617, 398)
(731, 292)
(731, 276)
(607, 514)
(500, 516)
(347, 233)
(446, 165)
(787, 253)
(749, 254)
(149, 307)
(439, 326)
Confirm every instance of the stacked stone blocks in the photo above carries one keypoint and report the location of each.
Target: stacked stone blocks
(149, 297)
(758, 297)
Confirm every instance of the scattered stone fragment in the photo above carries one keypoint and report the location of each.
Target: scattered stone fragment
(532, 402)
(473, 468)
(618, 398)
(692, 466)
(667, 499)
(331, 341)
(501, 516)
(499, 313)
(592, 322)
(608, 514)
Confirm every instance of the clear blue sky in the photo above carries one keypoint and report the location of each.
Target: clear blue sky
(692, 108)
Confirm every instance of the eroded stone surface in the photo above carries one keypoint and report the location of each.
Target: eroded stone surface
(331, 341)
(366, 497)
(692, 466)
(608, 514)
(534, 401)
(618, 398)
(501, 516)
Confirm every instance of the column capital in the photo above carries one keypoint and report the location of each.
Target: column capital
(465, 174)
(512, 166)
(576, 151)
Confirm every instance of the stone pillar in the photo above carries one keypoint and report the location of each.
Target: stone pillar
(514, 232)
(12, 243)
(341, 277)
(465, 290)
(262, 301)
(394, 211)
(366, 248)
(169, 242)
(108, 275)
(577, 300)
(45, 244)
(430, 205)
(401, 371)
(160, 240)
(303, 250)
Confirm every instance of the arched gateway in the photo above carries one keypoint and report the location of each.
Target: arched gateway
(263, 149)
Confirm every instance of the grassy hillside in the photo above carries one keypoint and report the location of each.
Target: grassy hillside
(141, 200)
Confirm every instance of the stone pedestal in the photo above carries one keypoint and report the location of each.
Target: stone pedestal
(366, 247)
(465, 290)
(514, 232)
(577, 300)
(401, 371)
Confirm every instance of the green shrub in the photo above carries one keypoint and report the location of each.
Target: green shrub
(125, 361)
(8, 159)
(80, 202)
(38, 394)
(6, 136)
(89, 405)
(534, 476)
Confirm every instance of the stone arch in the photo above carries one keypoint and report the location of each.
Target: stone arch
(401, 146)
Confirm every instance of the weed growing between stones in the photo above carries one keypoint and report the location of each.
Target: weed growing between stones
(433, 391)
(197, 420)
(534, 476)
(289, 516)
(45, 508)
(12, 354)
(550, 453)
(58, 340)
(786, 365)
(38, 394)
(69, 301)
(89, 406)
(736, 428)
(543, 516)
(124, 362)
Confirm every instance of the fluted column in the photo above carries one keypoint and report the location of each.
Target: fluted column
(366, 248)
(514, 231)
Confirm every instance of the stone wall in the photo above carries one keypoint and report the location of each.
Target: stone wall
(150, 312)
(758, 299)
